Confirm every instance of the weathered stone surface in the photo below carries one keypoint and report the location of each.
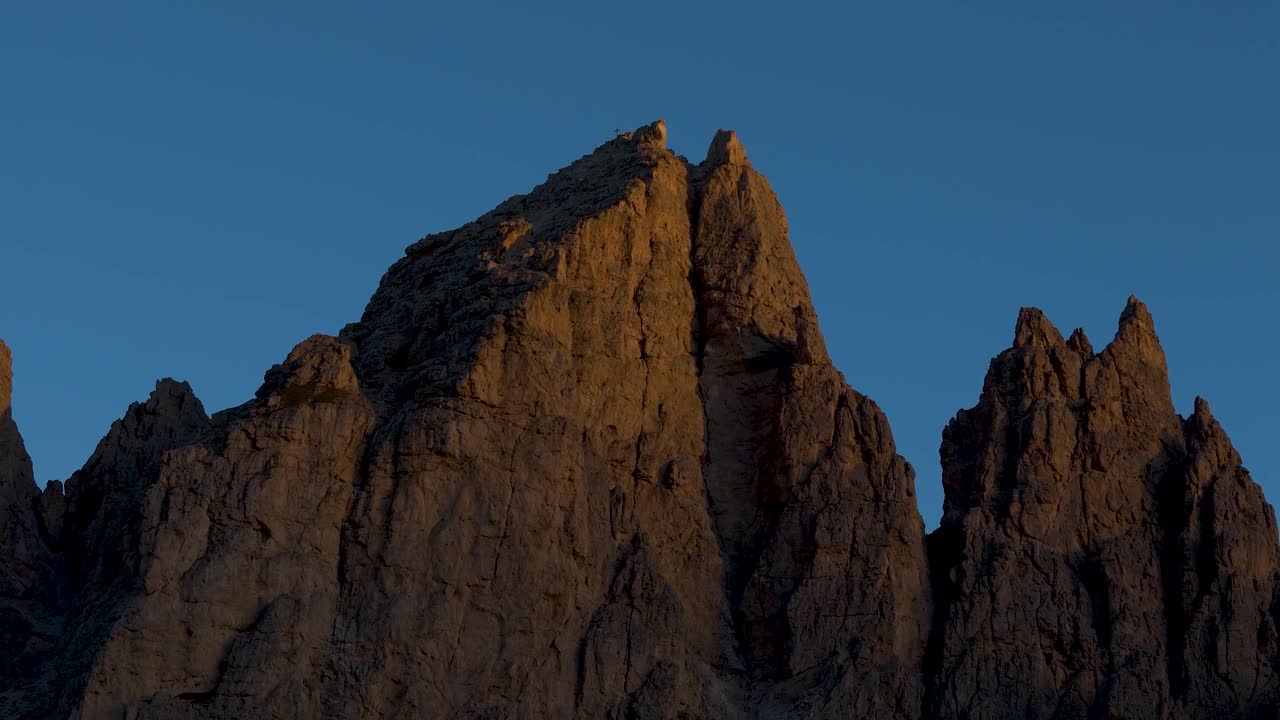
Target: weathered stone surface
(1083, 555)
(587, 457)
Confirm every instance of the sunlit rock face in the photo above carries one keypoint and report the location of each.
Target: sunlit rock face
(587, 457)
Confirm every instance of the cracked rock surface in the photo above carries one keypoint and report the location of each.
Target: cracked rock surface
(587, 457)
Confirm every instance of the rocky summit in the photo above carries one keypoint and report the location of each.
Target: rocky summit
(587, 457)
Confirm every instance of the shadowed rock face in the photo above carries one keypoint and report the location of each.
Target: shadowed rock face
(1098, 556)
(587, 457)
(27, 628)
(23, 554)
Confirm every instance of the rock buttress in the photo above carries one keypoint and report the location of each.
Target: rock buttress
(814, 509)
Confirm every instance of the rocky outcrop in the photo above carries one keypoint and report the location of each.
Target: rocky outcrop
(588, 457)
(1098, 556)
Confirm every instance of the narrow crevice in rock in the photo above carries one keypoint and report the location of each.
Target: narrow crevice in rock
(1173, 520)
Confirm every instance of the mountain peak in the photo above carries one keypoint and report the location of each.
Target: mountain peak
(1137, 348)
(1080, 343)
(1035, 330)
(726, 149)
(1136, 315)
(653, 134)
(1202, 408)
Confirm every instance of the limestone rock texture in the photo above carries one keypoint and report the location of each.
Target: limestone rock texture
(588, 457)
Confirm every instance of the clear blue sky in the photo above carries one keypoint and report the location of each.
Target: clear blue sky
(189, 189)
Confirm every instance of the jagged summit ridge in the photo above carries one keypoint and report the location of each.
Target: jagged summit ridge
(1075, 489)
(587, 456)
